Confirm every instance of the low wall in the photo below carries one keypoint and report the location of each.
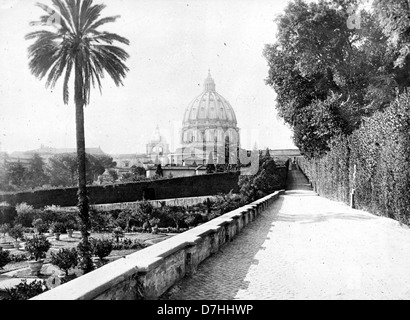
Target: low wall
(177, 172)
(149, 273)
(196, 186)
(178, 202)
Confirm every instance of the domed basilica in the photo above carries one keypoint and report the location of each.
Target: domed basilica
(209, 129)
(209, 135)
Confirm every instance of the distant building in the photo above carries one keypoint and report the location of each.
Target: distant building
(283, 153)
(157, 152)
(209, 128)
(158, 149)
(46, 153)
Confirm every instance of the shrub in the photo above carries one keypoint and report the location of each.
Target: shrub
(154, 222)
(193, 220)
(37, 247)
(58, 227)
(83, 250)
(26, 291)
(17, 232)
(268, 179)
(40, 226)
(177, 214)
(71, 225)
(53, 214)
(18, 258)
(25, 214)
(117, 233)
(4, 258)
(4, 228)
(65, 259)
(8, 214)
(128, 244)
(101, 247)
(100, 221)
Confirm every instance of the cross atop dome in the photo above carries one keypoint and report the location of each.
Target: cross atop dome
(209, 84)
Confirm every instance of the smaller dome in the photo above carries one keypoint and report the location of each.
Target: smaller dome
(157, 137)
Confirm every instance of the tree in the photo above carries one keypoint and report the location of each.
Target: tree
(16, 174)
(136, 174)
(97, 164)
(265, 181)
(143, 212)
(159, 172)
(177, 214)
(76, 45)
(113, 174)
(63, 169)
(393, 17)
(318, 63)
(139, 171)
(36, 175)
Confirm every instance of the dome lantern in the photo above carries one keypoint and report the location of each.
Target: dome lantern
(209, 84)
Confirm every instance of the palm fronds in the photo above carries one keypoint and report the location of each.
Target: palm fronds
(76, 42)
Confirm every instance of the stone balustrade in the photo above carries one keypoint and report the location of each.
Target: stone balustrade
(149, 273)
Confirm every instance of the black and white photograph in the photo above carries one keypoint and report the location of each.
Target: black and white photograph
(204, 155)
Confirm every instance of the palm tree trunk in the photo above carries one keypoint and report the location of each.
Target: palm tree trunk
(83, 206)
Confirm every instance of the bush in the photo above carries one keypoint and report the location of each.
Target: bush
(117, 233)
(101, 221)
(4, 258)
(128, 244)
(84, 250)
(8, 214)
(268, 179)
(26, 291)
(193, 220)
(65, 259)
(58, 227)
(101, 248)
(37, 247)
(54, 214)
(25, 214)
(4, 228)
(15, 258)
(40, 226)
(17, 232)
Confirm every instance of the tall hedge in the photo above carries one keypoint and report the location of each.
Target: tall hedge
(379, 155)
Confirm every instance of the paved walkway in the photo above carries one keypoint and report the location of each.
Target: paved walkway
(307, 247)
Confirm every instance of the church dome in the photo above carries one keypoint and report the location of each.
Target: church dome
(210, 108)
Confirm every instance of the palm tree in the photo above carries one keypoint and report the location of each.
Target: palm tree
(75, 45)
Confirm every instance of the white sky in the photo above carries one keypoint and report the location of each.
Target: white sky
(173, 43)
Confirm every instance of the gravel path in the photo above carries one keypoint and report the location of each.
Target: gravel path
(307, 247)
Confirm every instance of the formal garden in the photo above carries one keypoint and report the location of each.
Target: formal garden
(44, 245)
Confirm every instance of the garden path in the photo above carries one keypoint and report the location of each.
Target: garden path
(306, 247)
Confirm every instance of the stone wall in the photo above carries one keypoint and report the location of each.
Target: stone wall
(149, 273)
(178, 202)
(178, 172)
(203, 185)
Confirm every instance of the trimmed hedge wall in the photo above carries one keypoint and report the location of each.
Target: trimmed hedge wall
(380, 151)
(195, 186)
